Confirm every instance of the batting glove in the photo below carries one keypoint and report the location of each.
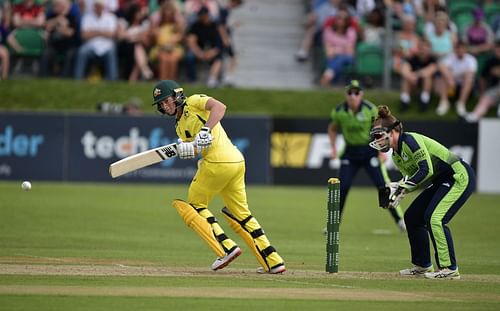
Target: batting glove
(203, 139)
(186, 150)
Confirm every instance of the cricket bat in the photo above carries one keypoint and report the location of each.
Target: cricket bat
(143, 159)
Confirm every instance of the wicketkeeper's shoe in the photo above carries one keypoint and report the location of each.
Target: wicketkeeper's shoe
(275, 270)
(222, 262)
(443, 274)
(416, 271)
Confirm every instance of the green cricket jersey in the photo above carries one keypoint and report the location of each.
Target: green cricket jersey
(423, 159)
(355, 125)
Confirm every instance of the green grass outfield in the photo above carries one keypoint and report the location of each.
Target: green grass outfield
(94, 247)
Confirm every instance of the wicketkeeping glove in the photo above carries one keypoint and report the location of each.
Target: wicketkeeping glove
(203, 139)
(186, 150)
(396, 196)
(399, 190)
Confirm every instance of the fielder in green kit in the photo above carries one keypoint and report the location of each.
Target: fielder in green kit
(354, 118)
(221, 171)
(450, 182)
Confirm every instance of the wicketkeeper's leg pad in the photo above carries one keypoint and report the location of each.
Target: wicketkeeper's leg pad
(199, 224)
(253, 235)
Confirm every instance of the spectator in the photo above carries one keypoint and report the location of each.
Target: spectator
(4, 30)
(87, 6)
(225, 31)
(168, 35)
(180, 19)
(61, 28)
(339, 41)
(204, 43)
(404, 8)
(458, 71)
(441, 35)
(406, 41)
(192, 7)
(479, 37)
(99, 29)
(26, 16)
(373, 30)
(5, 14)
(364, 8)
(133, 38)
(431, 8)
(314, 24)
(490, 82)
(418, 70)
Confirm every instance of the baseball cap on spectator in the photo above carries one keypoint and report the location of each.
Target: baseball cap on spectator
(353, 85)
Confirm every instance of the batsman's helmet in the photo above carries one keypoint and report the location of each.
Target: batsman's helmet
(166, 88)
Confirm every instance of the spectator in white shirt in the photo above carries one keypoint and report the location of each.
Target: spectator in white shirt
(458, 71)
(98, 32)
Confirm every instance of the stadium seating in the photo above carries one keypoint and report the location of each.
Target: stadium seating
(461, 14)
(31, 41)
(490, 10)
(369, 59)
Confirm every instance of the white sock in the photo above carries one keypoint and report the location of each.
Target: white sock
(405, 98)
(425, 97)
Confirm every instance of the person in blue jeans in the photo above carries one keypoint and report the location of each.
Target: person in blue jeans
(98, 31)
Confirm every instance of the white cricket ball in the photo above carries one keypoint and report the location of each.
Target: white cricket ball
(26, 185)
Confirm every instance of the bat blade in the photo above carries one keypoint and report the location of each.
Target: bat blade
(143, 159)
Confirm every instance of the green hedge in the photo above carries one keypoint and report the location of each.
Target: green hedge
(70, 95)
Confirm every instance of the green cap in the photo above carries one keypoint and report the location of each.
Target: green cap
(353, 85)
(164, 89)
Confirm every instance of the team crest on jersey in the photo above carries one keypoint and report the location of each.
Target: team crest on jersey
(156, 92)
(186, 113)
(360, 116)
(404, 156)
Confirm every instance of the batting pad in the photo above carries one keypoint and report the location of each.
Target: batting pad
(265, 254)
(199, 225)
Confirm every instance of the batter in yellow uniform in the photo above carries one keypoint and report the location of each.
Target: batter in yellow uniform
(221, 171)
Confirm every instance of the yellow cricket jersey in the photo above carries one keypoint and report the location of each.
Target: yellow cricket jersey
(194, 117)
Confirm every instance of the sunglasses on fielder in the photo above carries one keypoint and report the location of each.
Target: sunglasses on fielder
(356, 93)
(381, 137)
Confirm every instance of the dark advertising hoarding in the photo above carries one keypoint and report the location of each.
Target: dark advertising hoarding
(81, 147)
(31, 146)
(300, 148)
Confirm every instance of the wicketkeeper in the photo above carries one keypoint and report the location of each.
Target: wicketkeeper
(449, 180)
(221, 171)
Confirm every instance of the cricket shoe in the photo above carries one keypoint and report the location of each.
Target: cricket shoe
(222, 262)
(443, 274)
(275, 270)
(416, 271)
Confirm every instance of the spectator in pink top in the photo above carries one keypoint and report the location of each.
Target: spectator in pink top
(479, 37)
(339, 42)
